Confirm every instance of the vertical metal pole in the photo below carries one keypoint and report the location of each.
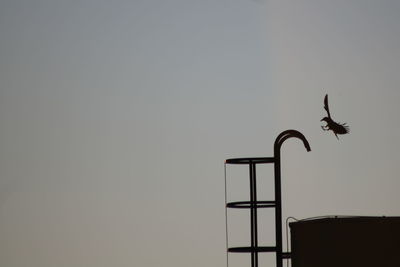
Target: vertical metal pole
(226, 219)
(278, 210)
(252, 210)
(278, 195)
(255, 215)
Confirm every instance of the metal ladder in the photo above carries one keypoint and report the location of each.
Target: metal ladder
(255, 204)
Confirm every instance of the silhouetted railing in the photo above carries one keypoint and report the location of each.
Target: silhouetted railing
(253, 204)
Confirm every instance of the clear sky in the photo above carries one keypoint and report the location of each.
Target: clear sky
(116, 118)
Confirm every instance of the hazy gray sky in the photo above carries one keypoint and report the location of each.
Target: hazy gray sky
(116, 118)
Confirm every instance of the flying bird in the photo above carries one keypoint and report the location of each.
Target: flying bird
(336, 128)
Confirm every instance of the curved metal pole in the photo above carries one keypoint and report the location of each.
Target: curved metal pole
(288, 134)
(282, 137)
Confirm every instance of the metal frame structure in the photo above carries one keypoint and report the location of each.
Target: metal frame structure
(253, 204)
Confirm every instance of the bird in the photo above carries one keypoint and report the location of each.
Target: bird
(336, 128)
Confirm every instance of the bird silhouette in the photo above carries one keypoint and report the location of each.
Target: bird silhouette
(336, 128)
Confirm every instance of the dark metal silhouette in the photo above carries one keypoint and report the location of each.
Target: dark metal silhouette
(255, 204)
(336, 128)
(346, 241)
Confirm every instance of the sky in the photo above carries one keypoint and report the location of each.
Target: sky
(116, 118)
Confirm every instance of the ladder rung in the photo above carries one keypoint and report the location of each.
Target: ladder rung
(251, 249)
(248, 204)
(286, 255)
(250, 160)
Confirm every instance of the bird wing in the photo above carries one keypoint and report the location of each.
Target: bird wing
(326, 106)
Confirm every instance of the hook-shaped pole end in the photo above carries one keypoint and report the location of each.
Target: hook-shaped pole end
(307, 145)
(288, 134)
